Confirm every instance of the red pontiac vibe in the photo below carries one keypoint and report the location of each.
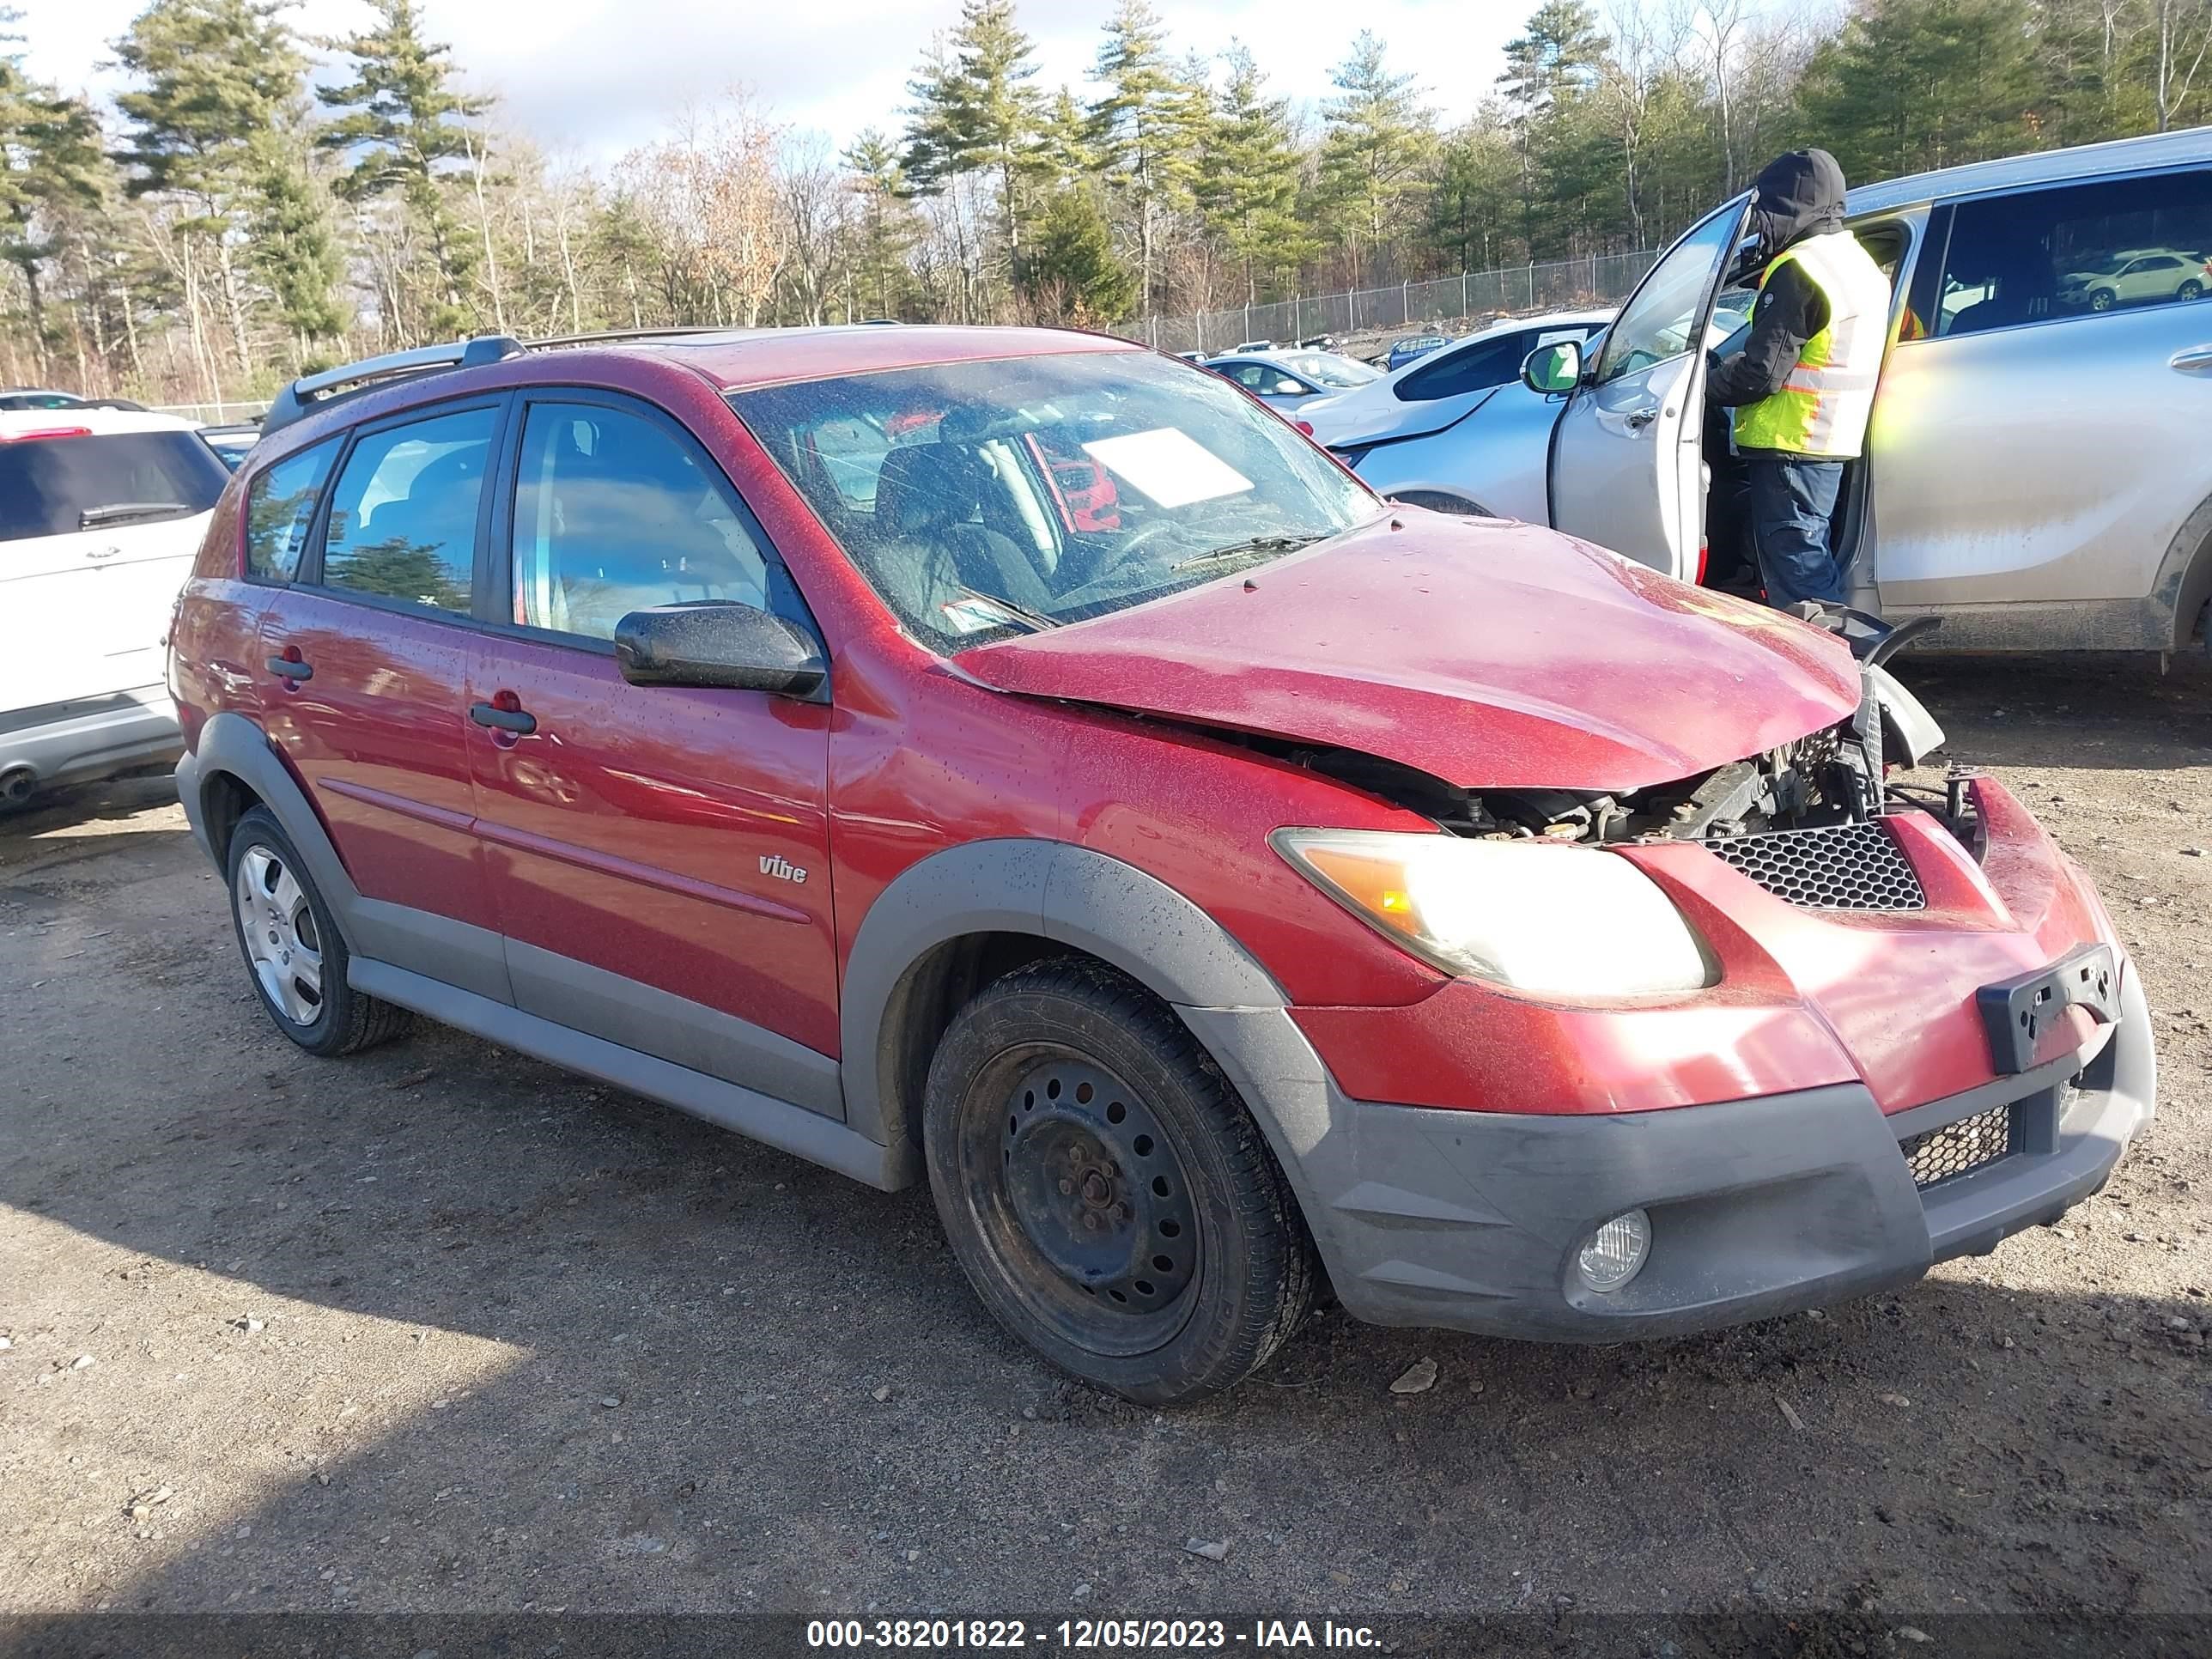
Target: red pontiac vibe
(1017, 758)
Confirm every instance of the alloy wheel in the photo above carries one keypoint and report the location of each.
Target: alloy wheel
(282, 941)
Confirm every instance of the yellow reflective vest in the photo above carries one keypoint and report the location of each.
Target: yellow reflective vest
(1823, 406)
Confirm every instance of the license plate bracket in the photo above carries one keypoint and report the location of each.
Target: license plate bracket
(2017, 1011)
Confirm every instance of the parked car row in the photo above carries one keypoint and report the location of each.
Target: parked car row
(1011, 760)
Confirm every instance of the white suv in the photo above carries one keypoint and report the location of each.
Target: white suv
(102, 512)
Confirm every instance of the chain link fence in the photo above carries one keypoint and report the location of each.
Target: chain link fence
(225, 414)
(1558, 285)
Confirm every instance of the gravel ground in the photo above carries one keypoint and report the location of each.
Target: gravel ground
(442, 1328)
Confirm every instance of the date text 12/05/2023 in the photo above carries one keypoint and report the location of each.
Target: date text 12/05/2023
(1089, 1635)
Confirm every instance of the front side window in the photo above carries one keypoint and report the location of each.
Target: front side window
(279, 503)
(2115, 244)
(59, 482)
(613, 515)
(1668, 308)
(1020, 495)
(403, 521)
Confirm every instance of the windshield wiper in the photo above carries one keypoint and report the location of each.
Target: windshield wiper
(1278, 543)
(1036, 620)
(121, 512)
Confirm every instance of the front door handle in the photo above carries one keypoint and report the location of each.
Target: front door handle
(290, 668)
(1636, 419)
(519, 721)
(2192, 360)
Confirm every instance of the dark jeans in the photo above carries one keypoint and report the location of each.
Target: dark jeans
(1793, 500)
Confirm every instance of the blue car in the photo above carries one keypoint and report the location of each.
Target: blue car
(1415, 346)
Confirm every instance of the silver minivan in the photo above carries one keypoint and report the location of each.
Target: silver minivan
(2038, 472)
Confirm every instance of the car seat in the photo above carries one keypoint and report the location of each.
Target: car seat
(929, 499)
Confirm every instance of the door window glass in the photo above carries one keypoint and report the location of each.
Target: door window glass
(1661, 317)
(613, 515)
(403, 512)
(2115, 244)
(278, 505)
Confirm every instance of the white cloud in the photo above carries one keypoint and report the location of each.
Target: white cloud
(593, 77)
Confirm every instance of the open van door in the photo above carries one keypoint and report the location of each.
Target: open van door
(1627, 467)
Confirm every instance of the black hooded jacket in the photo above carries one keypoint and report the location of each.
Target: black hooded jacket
(1797, 195)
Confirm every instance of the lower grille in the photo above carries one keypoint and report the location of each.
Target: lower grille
(1958, 1148)
(1839, 866)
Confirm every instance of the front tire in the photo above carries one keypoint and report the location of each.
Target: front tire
(1105, 1190)
(293, 948)
(2103, 299)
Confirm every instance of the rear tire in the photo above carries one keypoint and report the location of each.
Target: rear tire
(293, 952)
(2191, 290)
(1105, 1190)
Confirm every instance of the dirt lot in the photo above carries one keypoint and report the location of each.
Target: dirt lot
(442, 1328)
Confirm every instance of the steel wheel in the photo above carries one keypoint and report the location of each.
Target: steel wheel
(1083, 1189)
(1104, 1188)
(282, 941)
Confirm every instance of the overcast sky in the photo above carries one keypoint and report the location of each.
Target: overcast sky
(592, 77)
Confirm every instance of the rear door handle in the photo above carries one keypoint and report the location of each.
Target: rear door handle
(290, 668)
(2192, 360)
(520, 721)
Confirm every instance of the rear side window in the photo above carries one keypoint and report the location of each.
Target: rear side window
(58, 485)
(2115, 244)
(613, 515)
(402, 519)
(279, 503)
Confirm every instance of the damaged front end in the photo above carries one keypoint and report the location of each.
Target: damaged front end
(1837, 775)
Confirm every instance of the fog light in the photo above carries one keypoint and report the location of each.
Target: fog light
(1614, 1254)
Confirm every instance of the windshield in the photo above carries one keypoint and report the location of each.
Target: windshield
(58, 485)
(1327, 369)
(983, 498)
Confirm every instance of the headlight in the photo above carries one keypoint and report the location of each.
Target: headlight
(1564, 921)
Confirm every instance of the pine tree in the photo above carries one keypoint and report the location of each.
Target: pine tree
(1249, 192)
(879, 267)
(1072, 275)
(405, 129)
(50, 164)
(1912, 84)
(1377, 135)
(1146, 131)
(1548, 68)
(216, 121)
(974, 112)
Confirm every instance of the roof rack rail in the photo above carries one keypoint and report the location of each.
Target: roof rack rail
(608, 335)
(312, 392)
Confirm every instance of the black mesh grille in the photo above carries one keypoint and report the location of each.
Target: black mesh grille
(1840, 867)
(1958, 1147)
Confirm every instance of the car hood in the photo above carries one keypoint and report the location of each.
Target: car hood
(1488, 653)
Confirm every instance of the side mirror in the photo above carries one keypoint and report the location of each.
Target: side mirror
(720, 642)
(1554, 369)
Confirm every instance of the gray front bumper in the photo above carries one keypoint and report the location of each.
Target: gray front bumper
(1472, 1220)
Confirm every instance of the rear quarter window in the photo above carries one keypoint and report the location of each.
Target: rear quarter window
(279, 504)
(57, 486)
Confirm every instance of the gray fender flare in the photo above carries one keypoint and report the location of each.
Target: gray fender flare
(1050, 890)
(2183, 584)
(233, 743)
(469, 957)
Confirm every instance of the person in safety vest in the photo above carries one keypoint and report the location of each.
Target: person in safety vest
(1803, 385)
